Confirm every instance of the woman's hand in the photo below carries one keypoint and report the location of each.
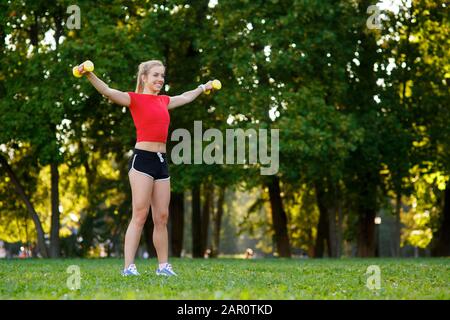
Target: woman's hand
(208, 85)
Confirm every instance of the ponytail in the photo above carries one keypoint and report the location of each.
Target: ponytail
(144, 69)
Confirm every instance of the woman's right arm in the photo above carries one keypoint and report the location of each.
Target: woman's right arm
(114, 95)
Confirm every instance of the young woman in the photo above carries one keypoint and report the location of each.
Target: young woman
(148, 170)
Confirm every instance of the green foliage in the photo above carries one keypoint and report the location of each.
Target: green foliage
(15, 223)
(309, 68)
(303, 218)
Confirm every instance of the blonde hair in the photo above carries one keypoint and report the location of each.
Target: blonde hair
(144, 69)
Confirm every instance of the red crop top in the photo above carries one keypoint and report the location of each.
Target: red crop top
(150, 115)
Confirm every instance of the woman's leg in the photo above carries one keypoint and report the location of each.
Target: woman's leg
(141, 190)
(160, 215)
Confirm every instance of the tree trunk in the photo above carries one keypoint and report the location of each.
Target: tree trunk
(196, 224)
(322, 232)
(21, 192)
(218, 222)
(279, 218)
(365, 161)
(332, 228)
(366, 233)
(397, 226)
(326, 199)
(322, 226)
(176, 209)
(148, 235)
(441, 246)
(339, 233)
(206, 211)
(55, 225)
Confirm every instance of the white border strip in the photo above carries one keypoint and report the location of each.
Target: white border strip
(132, 168)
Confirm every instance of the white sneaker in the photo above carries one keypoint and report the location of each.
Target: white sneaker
(130, 271)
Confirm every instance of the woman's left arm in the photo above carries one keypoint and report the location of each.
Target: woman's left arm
(188, 96)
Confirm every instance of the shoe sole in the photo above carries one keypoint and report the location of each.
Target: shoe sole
(166, 275)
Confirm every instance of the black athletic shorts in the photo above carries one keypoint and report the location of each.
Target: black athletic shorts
(151, 164)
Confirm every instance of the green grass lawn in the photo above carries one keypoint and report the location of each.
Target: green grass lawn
(228, 279)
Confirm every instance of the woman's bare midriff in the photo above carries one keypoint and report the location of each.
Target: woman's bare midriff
(151, 146)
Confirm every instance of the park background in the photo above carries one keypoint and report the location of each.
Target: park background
(362, 107)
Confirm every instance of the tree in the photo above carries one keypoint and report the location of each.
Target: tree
(30, 208)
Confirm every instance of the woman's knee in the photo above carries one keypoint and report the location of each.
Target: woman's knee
(140, 216)
(160, 217)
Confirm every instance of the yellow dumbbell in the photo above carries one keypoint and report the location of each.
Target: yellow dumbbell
(86, 66)
(216, 86)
